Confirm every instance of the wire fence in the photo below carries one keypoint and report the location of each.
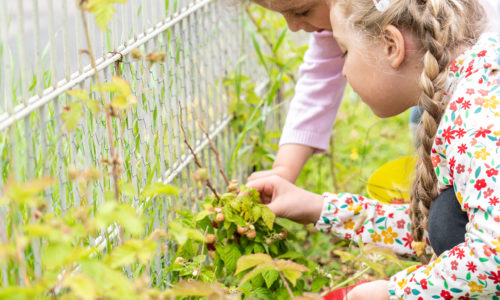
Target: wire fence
(42, 59)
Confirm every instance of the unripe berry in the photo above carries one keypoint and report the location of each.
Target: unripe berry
(210, 238)
(251, 234)
(179, 260)
(219, 217)
(211, 253)
(242, 230)
(269, 241)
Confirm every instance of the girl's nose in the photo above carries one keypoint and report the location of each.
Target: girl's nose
(293, 23)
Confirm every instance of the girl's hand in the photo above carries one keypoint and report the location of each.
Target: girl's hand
(287, 200)
(374, 290)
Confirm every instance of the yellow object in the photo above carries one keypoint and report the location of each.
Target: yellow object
(392, 181)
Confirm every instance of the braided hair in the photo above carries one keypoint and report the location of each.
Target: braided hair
(441, 27)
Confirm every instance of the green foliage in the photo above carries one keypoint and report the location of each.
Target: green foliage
(102, 9)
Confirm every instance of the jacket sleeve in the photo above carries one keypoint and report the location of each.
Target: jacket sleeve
(318, 94)
(355, 217)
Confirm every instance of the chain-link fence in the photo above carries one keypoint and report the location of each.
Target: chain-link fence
(43, 57)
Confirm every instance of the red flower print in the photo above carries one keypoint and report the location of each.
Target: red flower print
(488, 193)
(461, 149)
(482, 276)
(401, 224)
(435, 161)
(453, 66)
(466, 104)
(348, 236)
(460, 253)
(453, 106)
(488, 251)
(448, 134)
(482, 53)
(446, 295)
(408, 239)
(494, 201)
(452, 162)
(460, 131)
(460, 100)
(348, 200)
(460, 168)
(466, 297)
(471, 267)
(470, 91)
(423, 284)
(488, 65)
(482, 132)
(498, 143)
(480, 183)
(454, 265)
(491, 172)
(495, 277)
(439, 141)
(408, 290)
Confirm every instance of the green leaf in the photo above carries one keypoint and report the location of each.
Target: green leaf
(81, 285)
(291, 270)
(158, 188)
(71, 115)
(103, 10)
(268, 216)
(257, 271)
(230, 255)
(181, 233)
(318, 283)
(249, 261)
(270, 277)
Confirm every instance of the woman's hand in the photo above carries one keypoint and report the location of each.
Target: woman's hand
(287, 200)
(374, 290)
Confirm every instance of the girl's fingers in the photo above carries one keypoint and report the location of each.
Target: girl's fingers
(260, 174)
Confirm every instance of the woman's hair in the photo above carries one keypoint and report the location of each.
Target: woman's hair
(441, 27)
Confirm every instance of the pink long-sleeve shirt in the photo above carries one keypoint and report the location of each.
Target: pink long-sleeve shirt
(318, 94)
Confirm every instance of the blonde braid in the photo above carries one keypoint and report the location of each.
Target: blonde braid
(441, 26)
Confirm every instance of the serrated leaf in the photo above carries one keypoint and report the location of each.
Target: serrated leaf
(268, 216)
(318, 283)
(230, 256)
(267, 266)
(181, 233)
(71, 115)
(249, 261)
(156, 189)
(270, 277)
(103, 10)
(345, 256)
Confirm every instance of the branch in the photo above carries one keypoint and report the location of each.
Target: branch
(212, 146)
(196, 160)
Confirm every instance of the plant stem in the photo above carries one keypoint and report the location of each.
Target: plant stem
(212, 146)
(286, 284)
(356, 276)
(196, 160)
(90, 52)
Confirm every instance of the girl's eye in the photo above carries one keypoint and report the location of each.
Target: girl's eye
(303, 14)
(344, 54)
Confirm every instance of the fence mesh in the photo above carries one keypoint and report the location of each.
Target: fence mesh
(42, 59)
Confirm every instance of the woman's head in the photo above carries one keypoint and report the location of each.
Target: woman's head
(416, 39)
(307, 15)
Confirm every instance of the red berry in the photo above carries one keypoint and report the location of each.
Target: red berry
(211, 247)
(214, 224)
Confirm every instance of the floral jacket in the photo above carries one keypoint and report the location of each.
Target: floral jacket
(466, 156)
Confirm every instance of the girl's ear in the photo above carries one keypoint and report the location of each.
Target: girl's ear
(394, 45)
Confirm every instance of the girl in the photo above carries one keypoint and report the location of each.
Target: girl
(437, 54)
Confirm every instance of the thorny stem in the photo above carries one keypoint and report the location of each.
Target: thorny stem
(196, 160)
(286, 284)
(343, 283)
(114, 160)
(212, 146)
